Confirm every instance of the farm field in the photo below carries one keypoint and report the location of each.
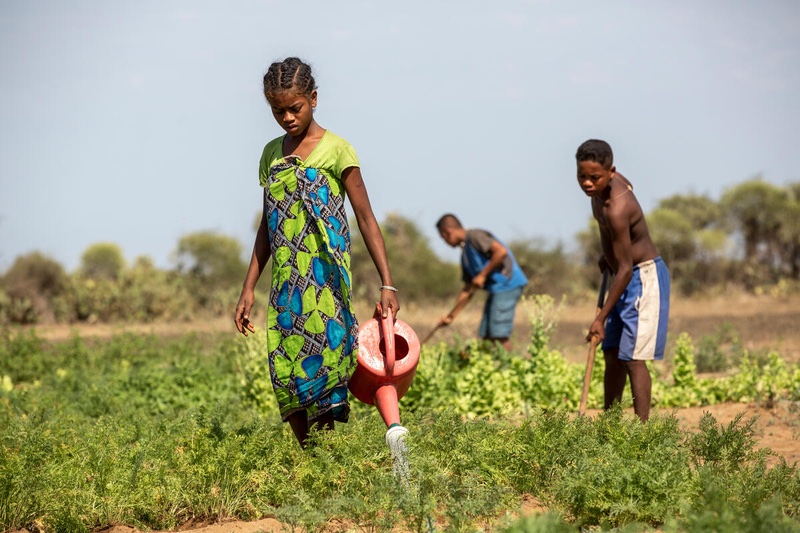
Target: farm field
(777, 428)
(763, 323)
(756, 325)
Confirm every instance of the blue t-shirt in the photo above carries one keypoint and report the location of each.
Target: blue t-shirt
(475, 255)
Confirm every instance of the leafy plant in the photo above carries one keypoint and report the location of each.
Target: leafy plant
(718, 352)
(155, 432)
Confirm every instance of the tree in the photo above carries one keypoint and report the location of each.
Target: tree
(675, 239)
(33, 284)
(673, 235)
(149, 293)
(762, 214)
(688, 230)
(549, 269)
(416, 269)
(212, 258)
(699, 211)
(753, 208)
(589, 243)
(790, 231)
(102, 260)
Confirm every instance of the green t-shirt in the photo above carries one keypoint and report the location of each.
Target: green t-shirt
(332, 155)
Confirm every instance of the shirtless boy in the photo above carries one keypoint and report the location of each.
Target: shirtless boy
(637, 308)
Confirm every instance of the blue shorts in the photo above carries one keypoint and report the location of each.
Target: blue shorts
(498, 314)
(638, 323)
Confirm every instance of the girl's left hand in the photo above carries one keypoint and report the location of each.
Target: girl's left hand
(389, 299)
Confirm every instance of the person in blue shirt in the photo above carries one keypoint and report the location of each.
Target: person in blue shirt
(486, 263)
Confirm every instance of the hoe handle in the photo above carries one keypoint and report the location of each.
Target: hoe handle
(587, 377)
(430, 333)
(457, 309)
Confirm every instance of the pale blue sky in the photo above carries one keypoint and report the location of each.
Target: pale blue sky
(140, 122)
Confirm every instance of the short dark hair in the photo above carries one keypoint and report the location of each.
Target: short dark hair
(291, 74)
(448, 220)
(597, 151)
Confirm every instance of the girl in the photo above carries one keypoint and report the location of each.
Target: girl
(311, 328)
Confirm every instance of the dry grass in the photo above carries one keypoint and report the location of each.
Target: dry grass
(762, 322)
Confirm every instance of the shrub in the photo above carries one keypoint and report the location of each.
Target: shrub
(210, 261)
(550, 270)
(32, 285)
(149, 294)
(103, 260)
(622, 472)
(718, 352)
(416, 270)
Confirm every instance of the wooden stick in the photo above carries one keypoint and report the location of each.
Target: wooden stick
(431, 332)
(587, 376)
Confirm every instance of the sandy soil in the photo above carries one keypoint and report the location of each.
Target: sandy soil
(776, 428)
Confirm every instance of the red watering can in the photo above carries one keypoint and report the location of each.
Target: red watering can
(388, 353)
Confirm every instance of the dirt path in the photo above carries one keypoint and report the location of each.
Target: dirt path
(776, 428)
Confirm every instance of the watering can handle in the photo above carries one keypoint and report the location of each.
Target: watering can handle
(387, 324)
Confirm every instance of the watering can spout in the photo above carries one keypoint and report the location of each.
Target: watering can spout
(386, 399)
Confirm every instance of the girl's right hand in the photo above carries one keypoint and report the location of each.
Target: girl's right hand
(242, 315)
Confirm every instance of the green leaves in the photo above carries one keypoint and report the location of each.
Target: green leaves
(147, 431)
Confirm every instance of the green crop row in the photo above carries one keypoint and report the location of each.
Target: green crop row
(477, 379)
(154, 432)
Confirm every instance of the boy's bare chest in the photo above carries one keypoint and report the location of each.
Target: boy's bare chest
(600, 212)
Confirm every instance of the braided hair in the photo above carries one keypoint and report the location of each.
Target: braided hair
(291, 74)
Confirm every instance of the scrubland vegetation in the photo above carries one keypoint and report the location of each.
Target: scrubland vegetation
(749, 239)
